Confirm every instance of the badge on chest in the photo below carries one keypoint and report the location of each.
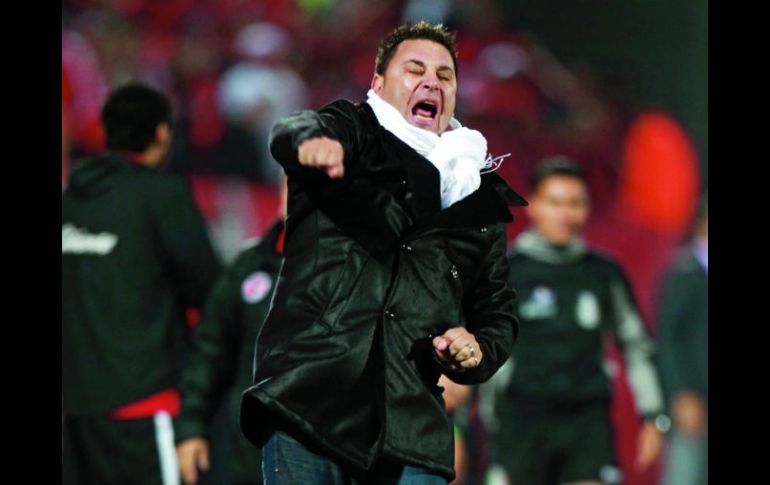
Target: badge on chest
(256, 287)
(587, 311)
(540, 304)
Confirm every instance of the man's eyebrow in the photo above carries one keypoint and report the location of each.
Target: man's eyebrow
(419, 63)
(422, 64)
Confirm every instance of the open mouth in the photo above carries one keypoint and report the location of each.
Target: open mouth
(425, 112)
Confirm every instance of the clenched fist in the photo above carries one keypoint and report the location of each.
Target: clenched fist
(458, 348)
(324, 154)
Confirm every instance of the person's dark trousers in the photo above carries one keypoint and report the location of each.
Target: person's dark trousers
(99, 450)
(285, 461)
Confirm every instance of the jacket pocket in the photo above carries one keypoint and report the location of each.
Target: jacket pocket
(421, 354)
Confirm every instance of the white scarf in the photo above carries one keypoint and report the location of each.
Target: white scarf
(459, 153)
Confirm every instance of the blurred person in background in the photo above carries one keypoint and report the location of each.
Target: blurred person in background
(551, 401)
(206, 142)
(394, 273)
(84, 89)
(135, 258)
(261, 88)
(683, 335)
(220, 364)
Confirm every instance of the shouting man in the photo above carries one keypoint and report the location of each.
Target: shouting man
(394, 274)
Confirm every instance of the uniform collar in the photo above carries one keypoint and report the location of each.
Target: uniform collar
(534, 245)
(700, 250)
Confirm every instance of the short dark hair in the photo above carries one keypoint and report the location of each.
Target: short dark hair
(557, 165)
(131, 115)
(420, 30)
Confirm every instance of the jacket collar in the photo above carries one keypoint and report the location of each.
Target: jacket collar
(686, 261)
(487, 205)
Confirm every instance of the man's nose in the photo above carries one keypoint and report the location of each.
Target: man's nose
(430, 82)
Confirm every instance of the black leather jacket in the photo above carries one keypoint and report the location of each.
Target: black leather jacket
(373, 270)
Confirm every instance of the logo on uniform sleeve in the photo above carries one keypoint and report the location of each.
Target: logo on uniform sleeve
(540, 304)
(587, 312)
(256, 286)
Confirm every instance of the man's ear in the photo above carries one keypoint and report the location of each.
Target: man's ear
(377, 83)
(163, 133)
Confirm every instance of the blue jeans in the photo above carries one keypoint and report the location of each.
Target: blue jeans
(285, 461)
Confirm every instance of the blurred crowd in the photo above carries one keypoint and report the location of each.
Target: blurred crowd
(232, 68)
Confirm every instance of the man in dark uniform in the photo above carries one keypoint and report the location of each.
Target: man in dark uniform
(394, 273)
(221, 362)
(135, 258)
(552, 399)
(683, 334)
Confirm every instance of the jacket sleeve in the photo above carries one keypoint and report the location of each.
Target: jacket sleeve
(337, 121)
(638, 348)
(489, 312)
(212, 359)
(191, 260)
(675, 325)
